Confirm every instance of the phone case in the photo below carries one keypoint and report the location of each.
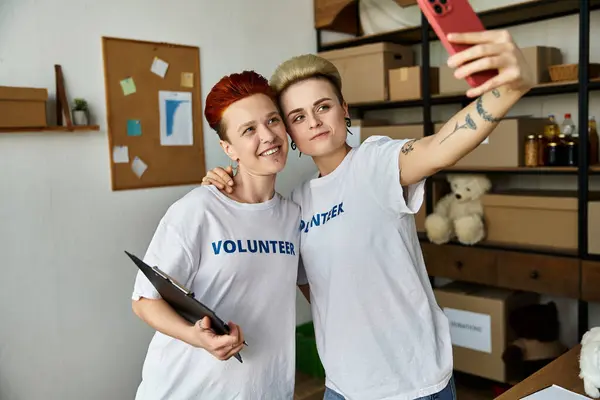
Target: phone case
(455, 16)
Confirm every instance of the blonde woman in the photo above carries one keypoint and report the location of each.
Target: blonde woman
(380, 333)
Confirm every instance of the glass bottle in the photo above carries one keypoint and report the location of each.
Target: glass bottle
(551, 130)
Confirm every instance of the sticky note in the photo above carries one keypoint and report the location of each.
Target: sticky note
(138, 167)
(134, 127)
(187, 79)
(159, 67)
(120, 154)
(128, 86)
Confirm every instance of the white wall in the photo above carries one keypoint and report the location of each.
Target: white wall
(66, 326)
(562, 33)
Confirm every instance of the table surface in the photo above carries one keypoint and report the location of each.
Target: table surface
(564, 372)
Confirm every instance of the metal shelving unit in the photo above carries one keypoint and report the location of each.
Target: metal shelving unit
(528, 11)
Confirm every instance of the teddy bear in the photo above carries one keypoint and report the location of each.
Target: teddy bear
(537, 331)
(589, 362)
(460, 213)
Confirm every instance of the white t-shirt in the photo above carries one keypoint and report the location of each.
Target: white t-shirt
(241, 260)
(380, 333)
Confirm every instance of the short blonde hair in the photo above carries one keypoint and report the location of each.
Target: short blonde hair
(304, 67)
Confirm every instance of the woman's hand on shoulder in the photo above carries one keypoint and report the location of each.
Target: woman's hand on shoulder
(491, 49)
(222, 347)
(221, 178)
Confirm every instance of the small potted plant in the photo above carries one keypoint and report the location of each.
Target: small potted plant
(80, 112)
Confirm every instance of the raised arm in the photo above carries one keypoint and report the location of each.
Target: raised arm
(469, 127)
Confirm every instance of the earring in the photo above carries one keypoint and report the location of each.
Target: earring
(348, 125)
(348, 122)
(294, 147)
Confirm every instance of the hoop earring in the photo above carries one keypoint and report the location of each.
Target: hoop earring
(294, 147)
(348, 125)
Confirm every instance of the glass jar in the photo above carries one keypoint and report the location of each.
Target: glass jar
(552, 154)
(541, 145)
(531, 151)
(571, 153)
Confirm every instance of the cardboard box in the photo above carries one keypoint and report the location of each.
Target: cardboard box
(531, 218)
(405, 83)
(479, 330)
(504, 148)
(404, 131)
(449, 84)
(23, 107)
(594, 227)
(539, 58)
(364, 69)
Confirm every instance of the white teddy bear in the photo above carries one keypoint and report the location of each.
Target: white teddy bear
(460, 213)
(589, 362)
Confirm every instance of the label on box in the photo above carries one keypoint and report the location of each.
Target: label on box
(470, 330)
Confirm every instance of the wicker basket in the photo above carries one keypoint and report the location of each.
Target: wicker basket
(570, 72)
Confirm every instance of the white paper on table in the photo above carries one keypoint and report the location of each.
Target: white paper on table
(159, 67)
(176, 120)
(555, 392)
(120, 154)
(138, 167)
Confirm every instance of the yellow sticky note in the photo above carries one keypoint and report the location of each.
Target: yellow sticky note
(128, 86)
(187, 79)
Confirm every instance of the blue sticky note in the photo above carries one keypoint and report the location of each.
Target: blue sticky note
(134, 127)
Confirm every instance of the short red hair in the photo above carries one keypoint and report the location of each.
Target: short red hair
(230, 89)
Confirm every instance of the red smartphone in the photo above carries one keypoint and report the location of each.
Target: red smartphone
(455, 16)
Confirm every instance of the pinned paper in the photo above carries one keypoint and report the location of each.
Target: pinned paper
(176, 119)
(120, 154)
(138, 167)
(159, 67)
(187, 79)
(134, 127)
(128, 86)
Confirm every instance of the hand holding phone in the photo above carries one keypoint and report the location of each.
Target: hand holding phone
(486, 59)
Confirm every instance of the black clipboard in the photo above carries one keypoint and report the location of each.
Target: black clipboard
(181, 299)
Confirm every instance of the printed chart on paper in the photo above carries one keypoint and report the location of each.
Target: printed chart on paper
(176, 120)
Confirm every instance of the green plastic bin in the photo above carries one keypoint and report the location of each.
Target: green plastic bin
(307, 357)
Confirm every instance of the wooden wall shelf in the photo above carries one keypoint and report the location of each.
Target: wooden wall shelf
(52, 129)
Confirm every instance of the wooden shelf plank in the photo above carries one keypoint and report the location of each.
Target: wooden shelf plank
(544, 89)
(527, 11)
(511, 170)
(52, 129)
(508, 247)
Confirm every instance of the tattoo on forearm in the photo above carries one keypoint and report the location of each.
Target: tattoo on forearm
(408, 146)
(483, 113)
(469, 124)
(496, 93)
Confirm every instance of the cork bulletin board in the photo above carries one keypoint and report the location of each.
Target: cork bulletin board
(154, 113)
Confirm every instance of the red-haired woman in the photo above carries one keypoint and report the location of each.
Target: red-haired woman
(239, 253)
